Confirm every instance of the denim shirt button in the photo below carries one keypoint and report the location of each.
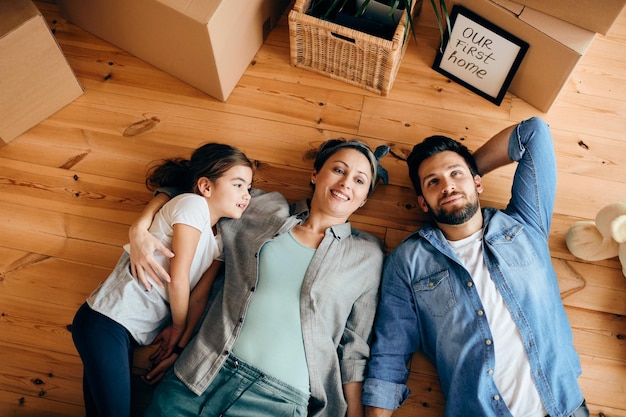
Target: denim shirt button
(480, 312)
(490, 372)
(496, 397)
(488, 342)
(508, 238)
(469, 284)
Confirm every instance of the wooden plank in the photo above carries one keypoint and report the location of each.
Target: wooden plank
(591, 287)
(38, 324)
(15, 405)
(71, 192)
(47, 242)
(103, 154)
(70, 249)
(596, 116)
(602, 383)
(63, 225)
(190, 127)
(426, 398)
(36, 373)
(598, 334)
(51, 280)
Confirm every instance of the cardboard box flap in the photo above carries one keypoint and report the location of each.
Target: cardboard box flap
(594, 15)
(512, 6)
(14, 13)
(198, 10)
(572, 36)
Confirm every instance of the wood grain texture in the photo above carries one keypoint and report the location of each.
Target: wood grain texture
(70, 186)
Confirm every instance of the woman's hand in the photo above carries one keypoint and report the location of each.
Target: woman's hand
(143, 245)
(142, 262)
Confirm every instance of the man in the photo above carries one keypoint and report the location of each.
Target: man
(475, 290)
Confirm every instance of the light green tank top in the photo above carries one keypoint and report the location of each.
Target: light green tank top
(271, 337)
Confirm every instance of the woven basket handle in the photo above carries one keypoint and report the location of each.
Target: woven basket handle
(343, 37)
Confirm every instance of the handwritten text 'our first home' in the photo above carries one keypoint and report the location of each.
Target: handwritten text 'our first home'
(472, 47)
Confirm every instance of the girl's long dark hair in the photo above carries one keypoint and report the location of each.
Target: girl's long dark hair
(211, 160)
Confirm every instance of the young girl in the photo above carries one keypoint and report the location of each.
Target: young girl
(121, 313)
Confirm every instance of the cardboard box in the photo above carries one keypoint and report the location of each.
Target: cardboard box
(206, 43)
(594, 15)
(555, 48)
(35, 78)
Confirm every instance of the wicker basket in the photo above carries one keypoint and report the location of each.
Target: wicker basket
(345, 54)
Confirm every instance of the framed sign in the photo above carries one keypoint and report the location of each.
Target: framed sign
(479, 55)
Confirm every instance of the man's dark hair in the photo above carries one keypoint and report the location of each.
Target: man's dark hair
(432, 146)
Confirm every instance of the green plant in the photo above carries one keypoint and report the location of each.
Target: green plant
(443, 17)
(393, 6)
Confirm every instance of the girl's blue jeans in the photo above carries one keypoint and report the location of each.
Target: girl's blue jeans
(106, 350)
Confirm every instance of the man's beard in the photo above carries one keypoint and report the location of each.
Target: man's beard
(456, 216)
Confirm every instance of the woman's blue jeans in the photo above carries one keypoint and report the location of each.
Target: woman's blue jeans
(238, 390)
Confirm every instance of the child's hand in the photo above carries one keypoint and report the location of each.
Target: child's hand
(168, 338)
(158, 369)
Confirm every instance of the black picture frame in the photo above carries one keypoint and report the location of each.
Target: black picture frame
(479, 55)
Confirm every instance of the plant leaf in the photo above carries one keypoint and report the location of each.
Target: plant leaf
(362, 8)
(441, 14)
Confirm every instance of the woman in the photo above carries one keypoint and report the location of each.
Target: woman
(287, 334)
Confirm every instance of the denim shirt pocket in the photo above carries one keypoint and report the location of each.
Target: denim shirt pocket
(513, 246)
(434, 292)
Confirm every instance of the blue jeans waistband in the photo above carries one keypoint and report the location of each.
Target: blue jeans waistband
(289, 392)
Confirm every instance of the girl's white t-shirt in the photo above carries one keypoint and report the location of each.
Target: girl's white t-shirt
(192, 210)
(125, 300)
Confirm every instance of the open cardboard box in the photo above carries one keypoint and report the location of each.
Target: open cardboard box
(206, 43)
(555, 48)
(35, 79)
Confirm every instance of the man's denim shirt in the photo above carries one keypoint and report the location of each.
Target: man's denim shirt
(429, 302)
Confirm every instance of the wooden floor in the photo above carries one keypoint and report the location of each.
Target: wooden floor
(70, 187)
